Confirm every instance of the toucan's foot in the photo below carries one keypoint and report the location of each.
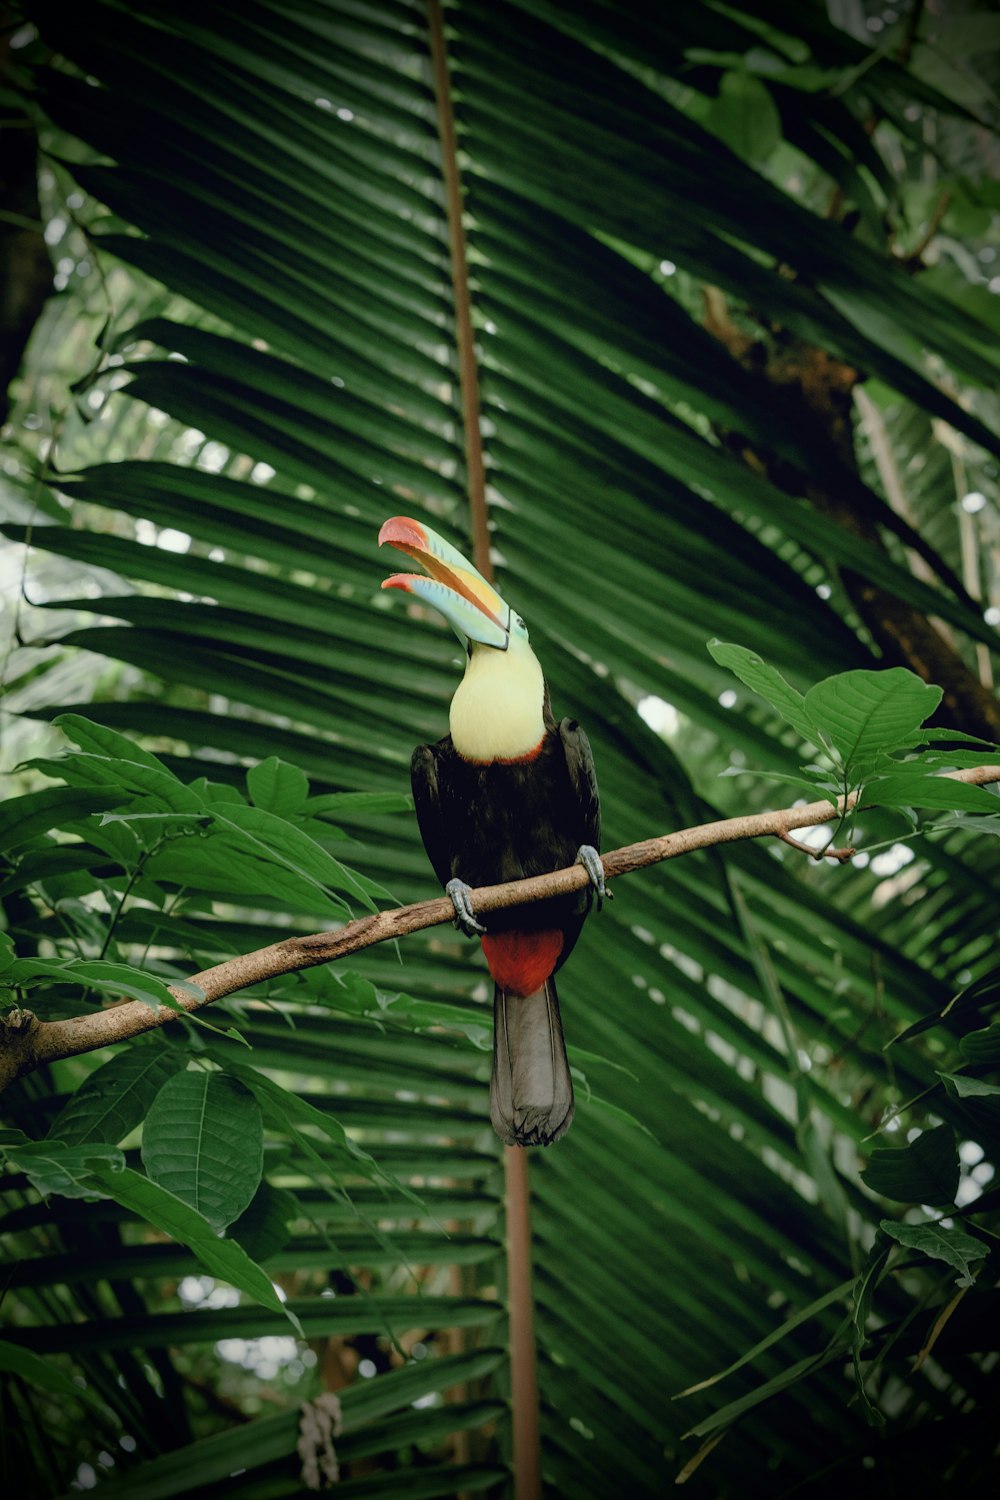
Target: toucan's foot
(588, 856)
(461, 900)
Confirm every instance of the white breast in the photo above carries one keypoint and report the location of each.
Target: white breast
(496, 713)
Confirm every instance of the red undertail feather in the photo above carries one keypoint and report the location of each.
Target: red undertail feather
(520, 962)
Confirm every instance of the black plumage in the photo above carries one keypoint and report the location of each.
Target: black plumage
(488, 823)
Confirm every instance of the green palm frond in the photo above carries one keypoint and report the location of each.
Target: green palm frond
(266, 183)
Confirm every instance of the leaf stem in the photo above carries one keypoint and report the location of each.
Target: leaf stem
(846, 852)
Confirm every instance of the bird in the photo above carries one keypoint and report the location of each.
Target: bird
(509, 792)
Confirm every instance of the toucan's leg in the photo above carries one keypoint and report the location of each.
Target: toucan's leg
(588, 856)
(461, 900)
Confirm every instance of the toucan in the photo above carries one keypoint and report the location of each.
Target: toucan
(506, 794)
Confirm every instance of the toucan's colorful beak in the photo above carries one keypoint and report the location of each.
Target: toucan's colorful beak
(471, 606)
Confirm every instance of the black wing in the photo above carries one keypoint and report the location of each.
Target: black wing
(583, 777)
(427, 801)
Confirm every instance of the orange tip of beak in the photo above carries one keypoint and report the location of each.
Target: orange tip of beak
(401, 531)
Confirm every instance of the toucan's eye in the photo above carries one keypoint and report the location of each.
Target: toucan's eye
(518, 621)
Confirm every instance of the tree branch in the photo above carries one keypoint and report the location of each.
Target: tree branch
(26, 1043)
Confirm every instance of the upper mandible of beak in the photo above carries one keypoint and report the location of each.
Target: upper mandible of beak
(468, 602)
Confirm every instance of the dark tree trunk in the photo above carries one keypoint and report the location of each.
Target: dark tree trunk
(25, 269)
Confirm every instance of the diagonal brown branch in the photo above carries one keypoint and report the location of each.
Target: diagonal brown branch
(26, 1043)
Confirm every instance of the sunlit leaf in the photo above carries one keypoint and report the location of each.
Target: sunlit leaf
(864, 714)
(277, 787)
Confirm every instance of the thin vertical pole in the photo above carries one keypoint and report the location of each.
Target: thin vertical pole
(520, 1313)
(520, 1303)
(468, 373)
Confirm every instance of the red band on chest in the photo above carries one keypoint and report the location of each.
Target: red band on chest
(509, 760)
(522, 961)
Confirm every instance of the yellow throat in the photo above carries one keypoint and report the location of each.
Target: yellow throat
(496, 713)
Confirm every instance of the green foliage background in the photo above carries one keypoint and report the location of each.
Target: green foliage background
(250, 366)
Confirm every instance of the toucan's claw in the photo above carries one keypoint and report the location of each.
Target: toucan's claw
(588, 856)
(461, 900)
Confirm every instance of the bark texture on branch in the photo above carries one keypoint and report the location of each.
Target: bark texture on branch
(26, 1043)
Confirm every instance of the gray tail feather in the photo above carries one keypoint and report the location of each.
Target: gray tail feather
(531, 1092)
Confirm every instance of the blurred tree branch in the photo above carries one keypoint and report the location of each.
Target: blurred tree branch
(817, 389)
(25, 269)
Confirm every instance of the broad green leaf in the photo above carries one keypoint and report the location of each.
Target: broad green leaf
(277, 787)
(271, 838)
(215, 791)
(949, 1244)
(22, 819)
(974, 996)
(135, 777)
(937, 734)
(769, 683)
(956, 760)
(925, 1171)
(53, 1167)
(222, 865)
(115, 1099)
(964, 1087)
(356, 997)
(263, 1226)
(745, 117)
(865, 714)
(101, 974)
(203, 1141)
(284, 1109)
(913, 787)
(982, 1047)
(977, 823)
(97, 739)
